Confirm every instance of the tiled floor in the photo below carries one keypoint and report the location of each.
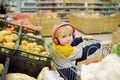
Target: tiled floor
(101, 37)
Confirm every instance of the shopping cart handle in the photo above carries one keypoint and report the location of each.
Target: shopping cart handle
(92, 39)
(86, 39)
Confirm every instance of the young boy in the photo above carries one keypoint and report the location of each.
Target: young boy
(65, 42)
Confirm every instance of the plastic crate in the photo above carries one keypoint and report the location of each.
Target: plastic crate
(4, 59)
(33, 56)
(17, 64)
(17, 28)
(6, 50)
(9, 51)
(9, 26)
(26, 30)
(26, 65)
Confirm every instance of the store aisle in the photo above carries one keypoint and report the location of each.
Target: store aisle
(101, 37)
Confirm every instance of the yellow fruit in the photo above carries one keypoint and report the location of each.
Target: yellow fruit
(44, 53)
(24, 42)
(1, 38)
(8, 38)
(5, 32)
(9, 44)
(15, 37)
(37, 50)
(41, 47)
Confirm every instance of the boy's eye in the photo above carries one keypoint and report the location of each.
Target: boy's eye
(63, 36)
(66, 36)
(70, 34)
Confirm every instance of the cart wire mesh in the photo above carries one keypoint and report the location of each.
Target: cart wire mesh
(62, 62)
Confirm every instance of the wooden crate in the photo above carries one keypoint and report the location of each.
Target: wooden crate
(47, 26)
(46, 33)
(94, 25)
(46, 22)
(116, 37)
(118, 18)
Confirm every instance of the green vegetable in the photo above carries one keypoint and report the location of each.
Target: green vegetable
(1, 68)
(116, 49)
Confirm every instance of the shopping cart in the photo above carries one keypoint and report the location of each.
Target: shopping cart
(66, 68)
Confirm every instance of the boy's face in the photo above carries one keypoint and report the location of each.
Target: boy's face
(65, 37)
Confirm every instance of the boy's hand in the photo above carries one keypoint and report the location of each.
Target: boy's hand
(87, 37)
(103, 43)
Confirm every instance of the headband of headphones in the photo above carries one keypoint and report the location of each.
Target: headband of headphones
(55, 40)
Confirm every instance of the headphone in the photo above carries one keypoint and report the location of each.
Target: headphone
(54, 38)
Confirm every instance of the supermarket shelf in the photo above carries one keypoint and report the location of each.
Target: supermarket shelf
(52, 7)
(70, 7)
(51, 2)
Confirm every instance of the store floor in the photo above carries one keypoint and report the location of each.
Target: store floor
(101, 37)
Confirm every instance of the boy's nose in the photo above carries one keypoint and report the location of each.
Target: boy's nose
(68, 38)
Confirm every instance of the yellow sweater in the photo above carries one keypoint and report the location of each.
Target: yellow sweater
(65, 50)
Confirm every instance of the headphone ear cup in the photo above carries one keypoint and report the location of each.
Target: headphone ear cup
(73, 35)
(56, 41)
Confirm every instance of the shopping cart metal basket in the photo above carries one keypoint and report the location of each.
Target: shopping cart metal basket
(65, 67)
